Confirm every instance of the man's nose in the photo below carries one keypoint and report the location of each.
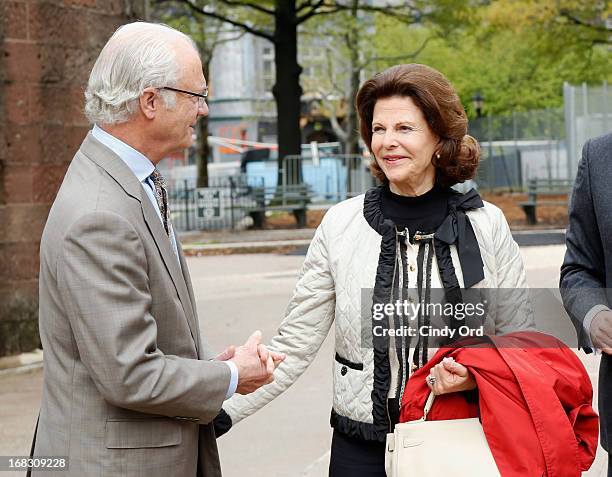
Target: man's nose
(203, 109)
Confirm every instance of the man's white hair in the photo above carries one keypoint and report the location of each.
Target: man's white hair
(139, 55)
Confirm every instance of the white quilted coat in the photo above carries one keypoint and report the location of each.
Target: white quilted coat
(341, 261)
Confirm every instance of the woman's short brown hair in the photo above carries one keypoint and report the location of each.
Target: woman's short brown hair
(434, 95)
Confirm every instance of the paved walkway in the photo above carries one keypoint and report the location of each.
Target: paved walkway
(225, 236)
(259, 241)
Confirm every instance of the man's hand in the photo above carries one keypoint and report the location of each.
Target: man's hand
(601, 331)
(228, 354)
(255, 364)
(448, 376)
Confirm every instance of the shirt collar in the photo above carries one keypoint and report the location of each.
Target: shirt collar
(136, 161)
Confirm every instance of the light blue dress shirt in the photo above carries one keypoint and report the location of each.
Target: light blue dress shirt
(139, 165)
(142, 169)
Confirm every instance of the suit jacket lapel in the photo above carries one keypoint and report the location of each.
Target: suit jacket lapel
(187, 279)
(172, 265)
(117, 169)
(186, 276)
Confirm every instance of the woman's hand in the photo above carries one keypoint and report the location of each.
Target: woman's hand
(448, 376)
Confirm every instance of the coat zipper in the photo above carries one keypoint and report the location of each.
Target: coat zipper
(424, 357)
(404, 364)
(397, 233)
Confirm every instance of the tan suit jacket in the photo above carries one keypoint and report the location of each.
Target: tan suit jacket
(128, 388)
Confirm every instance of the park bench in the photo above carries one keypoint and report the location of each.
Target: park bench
(292, 198)
(538, 188)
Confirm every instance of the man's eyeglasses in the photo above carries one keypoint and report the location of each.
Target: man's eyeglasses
(201, 96)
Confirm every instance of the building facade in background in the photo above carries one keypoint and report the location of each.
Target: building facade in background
(242, 107)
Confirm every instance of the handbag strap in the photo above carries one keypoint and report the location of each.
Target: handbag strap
(428, 404)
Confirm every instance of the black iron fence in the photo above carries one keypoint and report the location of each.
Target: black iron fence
(224, 204)
(332, 178)
(520, 146)
(240, 200)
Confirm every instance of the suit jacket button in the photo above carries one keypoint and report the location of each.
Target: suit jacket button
(344, 370)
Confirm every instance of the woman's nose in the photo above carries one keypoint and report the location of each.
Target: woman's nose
(389, 140)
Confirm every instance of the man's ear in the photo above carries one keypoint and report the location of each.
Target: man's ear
(150, 102)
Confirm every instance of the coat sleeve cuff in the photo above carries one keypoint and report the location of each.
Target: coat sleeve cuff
(233, 384)
(588, 320)
(222, 423)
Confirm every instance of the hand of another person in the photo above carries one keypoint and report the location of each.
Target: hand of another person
(448, 376)
(270, 359)
(265, 355)
(601, 331)
(255, 364)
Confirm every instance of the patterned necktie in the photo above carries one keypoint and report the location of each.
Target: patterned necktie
(161, 194)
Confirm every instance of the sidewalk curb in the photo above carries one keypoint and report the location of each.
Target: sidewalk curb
(536, 238)
(21, 363)
(522, 237)
(537, 231)
(243, 247)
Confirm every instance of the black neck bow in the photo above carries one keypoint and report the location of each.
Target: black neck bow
(457, 229)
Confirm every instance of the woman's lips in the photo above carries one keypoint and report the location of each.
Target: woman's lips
(393, 159)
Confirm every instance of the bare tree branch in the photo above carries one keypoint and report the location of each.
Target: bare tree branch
(395, 11)
(209, 49)
(333, 118)
(315, 11)
(578, 21)
(227, 40)
(335, 86)
(260, 33)
(408, 56)
(310, 4)
(236, 3)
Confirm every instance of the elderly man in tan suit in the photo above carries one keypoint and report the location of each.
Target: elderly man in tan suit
(130, 388)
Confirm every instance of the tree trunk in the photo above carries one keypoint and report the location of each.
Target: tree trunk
(352, 142)
(351, 145)
(202, 153)
(202, 146)
(287, 91)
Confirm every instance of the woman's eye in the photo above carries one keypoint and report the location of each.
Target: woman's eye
(405, 128)
(377, 129)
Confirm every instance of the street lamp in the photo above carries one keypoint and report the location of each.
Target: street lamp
(478, 102)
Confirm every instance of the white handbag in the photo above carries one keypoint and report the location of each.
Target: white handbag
(456, 447)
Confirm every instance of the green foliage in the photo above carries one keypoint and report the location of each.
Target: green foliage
(517, 54)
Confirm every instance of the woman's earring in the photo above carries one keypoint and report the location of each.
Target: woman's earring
(437, 155)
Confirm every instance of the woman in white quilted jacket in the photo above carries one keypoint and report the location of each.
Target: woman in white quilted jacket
(410, 241)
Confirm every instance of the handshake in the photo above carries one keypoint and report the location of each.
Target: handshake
(255, 363)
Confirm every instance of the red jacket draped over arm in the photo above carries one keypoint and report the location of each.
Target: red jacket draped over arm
(535, 401)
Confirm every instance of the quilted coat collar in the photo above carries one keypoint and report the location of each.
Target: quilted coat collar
(456, 229)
